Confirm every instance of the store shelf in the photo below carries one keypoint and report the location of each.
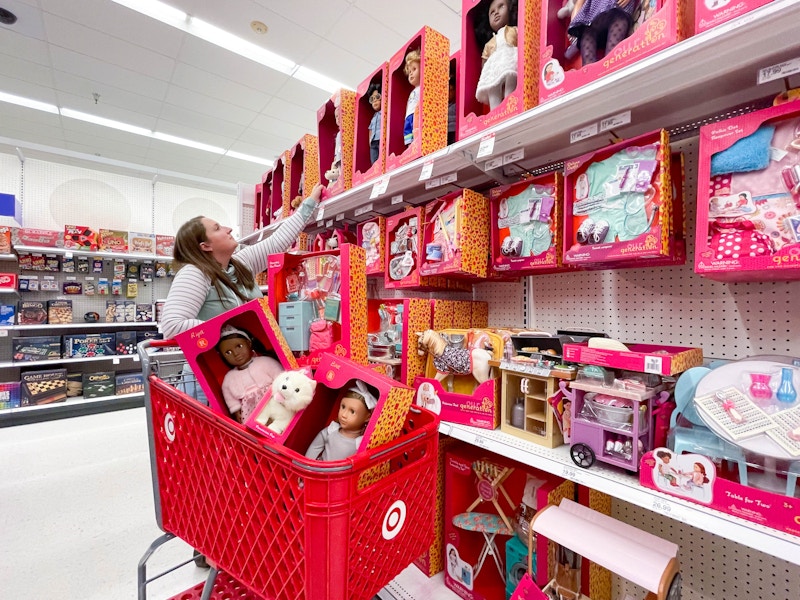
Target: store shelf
(8, 257)
(697, 78)
(625, 486)
(89, 254)
(72, 361)
(73, 407)
(76, 325)
(9, 291)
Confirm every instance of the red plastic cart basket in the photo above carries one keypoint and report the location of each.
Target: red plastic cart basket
(287, 527)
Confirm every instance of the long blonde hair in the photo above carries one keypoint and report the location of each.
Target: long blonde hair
(187, 251)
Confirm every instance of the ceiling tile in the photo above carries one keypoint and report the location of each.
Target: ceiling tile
(32, 49)
(414, 15)
(302, 94)
(366, 37)
(188, 100)
(81, 87)
(283, 111)
(222, 89)
(314, 15)
(206, 123)
(19, 69)
(339, 64)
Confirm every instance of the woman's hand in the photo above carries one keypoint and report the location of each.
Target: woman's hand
(316, 193)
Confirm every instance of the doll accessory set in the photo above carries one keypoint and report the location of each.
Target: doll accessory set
(528, 217)
(404, 250)
(755, 192)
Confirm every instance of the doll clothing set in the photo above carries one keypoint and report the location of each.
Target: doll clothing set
(243, 387)
(500, 69)
(616, 195)
(753, 199)
(527, 216)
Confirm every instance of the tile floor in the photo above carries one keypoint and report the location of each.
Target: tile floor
(76, 515)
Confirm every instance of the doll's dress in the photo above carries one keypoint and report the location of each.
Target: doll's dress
(332, 444)
(596, 12)
(501, 65)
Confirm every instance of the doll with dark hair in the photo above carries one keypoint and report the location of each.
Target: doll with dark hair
(600, 24)
(375, 100)
(496, 33)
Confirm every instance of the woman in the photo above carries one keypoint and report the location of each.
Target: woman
(212, 277)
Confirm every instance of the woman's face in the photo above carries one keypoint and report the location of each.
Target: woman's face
(236, 351)
(498, 14)
(218, 238)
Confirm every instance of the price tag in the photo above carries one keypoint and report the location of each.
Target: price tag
(329, 223)
(615, 121)
(427, 170)
(432, 183)
(362, 210)
(493, 164)
(514, 156)
(582, 134)
(115, 361)
(449, 178)
(340, 217)
(571, 473)
(375, 190)
(3, 332)
(481, 441)
(486, 146)
(779, 71)
(397, 199)
(135, 358)
(321, 213)
(67, 254)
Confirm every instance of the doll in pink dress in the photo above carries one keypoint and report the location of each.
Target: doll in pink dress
(250, 376)
(496, 32)
(343, 436)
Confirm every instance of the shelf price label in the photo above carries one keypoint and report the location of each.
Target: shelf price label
(571, 473)
(362, 210)
(486, 146)
(493, 163)
(340, 217)
(583, 133)
(320, 214)
(397, 199)
(481, 441)
(615, 121)
(779, 71)
(514, 156)
(380, 187)
(427, 170)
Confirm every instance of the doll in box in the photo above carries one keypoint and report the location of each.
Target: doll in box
(250, 376)
(375, 100)
(332, 174)
(496, 33)
(412, 69)
(600, 23)
(343, 436)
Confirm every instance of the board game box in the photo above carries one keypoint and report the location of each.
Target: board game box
(8, 314)
(40, 347)
(97, 385)
(125, 342)
(86, 346)
(32, 312)
(129, 383)
(43, 387)
(9, 394)
(74, 385)
(59, 312)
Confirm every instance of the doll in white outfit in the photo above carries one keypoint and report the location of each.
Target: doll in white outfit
(496, 31)
(342, 437)
(250, 376)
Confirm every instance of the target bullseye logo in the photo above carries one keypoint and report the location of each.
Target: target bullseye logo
(169, 427)
(394, 519)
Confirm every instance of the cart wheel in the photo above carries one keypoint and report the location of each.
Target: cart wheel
(200, 560)
(674, 592)
(582, 455)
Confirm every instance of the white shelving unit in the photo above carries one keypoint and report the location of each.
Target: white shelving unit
(113, 358)
(90, 253)
(76, 325)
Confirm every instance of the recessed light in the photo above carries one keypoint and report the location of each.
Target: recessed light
(7, 17)
(259, 27)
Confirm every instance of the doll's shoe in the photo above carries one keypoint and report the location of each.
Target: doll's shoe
(599, 232)
(584, 231)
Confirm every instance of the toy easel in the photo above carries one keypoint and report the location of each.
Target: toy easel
(490, 480)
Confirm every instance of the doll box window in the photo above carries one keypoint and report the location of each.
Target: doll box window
(369, 146)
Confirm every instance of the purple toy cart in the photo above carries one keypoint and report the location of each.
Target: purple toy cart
(619, 435)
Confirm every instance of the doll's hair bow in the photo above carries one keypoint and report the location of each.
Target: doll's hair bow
(369, 398)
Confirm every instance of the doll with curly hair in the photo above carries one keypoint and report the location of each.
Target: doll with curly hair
(496, 33)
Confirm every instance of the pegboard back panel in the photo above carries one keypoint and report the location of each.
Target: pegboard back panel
(57, 195)
(673, 305)
(10, 174)
(507, 305)
(712, 568)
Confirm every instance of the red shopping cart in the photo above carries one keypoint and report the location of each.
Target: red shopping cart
(278, 525)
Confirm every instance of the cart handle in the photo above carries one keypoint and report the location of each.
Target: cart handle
(162, 343)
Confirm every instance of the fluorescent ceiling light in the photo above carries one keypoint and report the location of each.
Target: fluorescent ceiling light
(250, 157)
(165, 137)
(157, 10)
(74, 114)
(237, 45)
(27, 102)
(317, 80)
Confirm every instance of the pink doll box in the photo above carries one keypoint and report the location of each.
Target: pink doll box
(350, 329)
(455, 237)
(277, 204)
(372, 238)
(599, 188)
(363, 168)
(333, 373)
(479, 490)
(748, 220)
(343, 104)
(403, 247)
(303, 173)
(669, 24)
(430, 116)
(259, 212)
(643, 358)
(681, 477)
(199, 346)
(474, 115)
(526, 224)
(710, 13)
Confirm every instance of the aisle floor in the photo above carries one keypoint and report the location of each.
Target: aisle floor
(76, 515)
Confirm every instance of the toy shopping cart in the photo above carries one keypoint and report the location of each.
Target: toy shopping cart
(279, 525)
